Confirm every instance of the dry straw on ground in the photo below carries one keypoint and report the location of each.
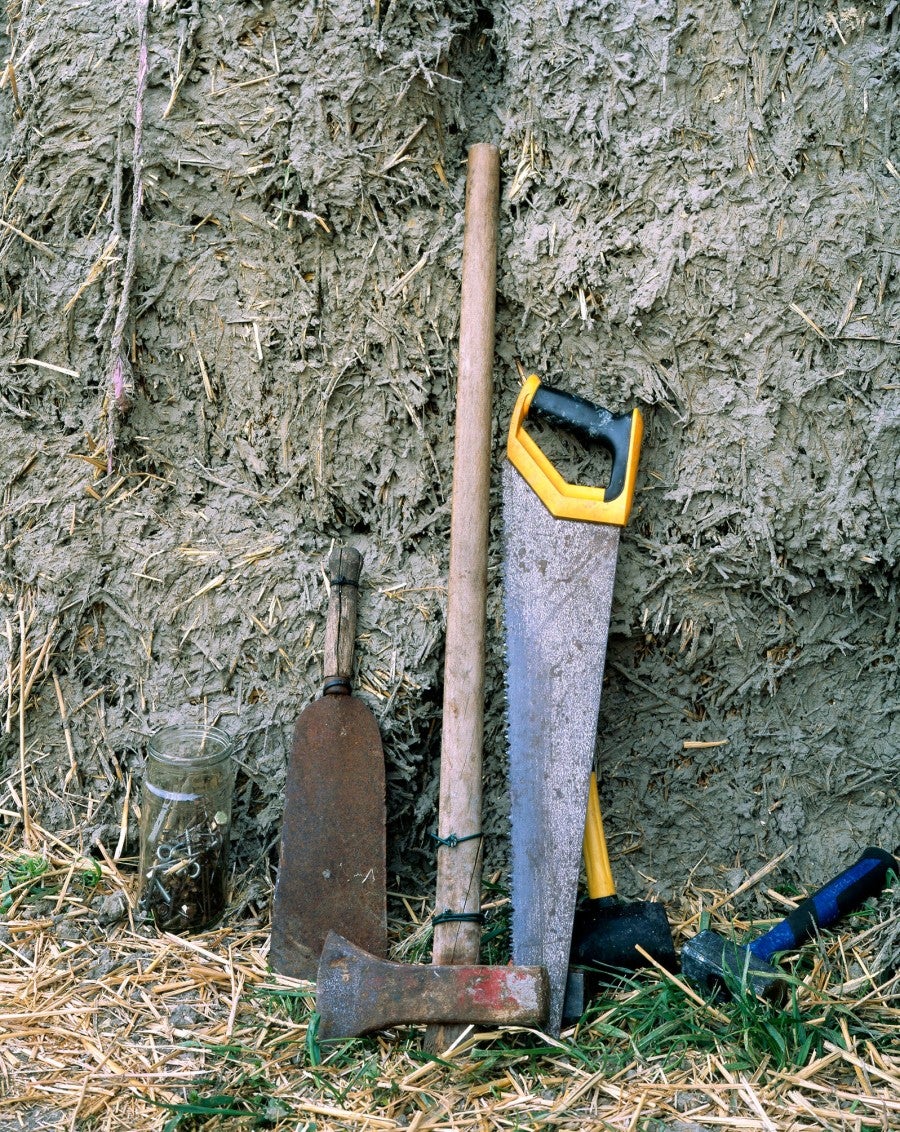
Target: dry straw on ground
(108, 1024)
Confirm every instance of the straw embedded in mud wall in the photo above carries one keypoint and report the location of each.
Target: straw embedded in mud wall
(701, 229)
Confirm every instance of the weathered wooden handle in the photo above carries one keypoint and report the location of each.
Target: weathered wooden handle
(344, 568)
(459, 865)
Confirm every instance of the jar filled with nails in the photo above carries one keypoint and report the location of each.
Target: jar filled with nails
(185, 826)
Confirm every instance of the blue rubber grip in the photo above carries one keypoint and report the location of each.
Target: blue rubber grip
(824, 908)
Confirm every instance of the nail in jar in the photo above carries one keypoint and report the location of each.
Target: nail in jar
(185, 825)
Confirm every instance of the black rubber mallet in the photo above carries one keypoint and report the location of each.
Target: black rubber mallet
(718, 965)
(606, 929)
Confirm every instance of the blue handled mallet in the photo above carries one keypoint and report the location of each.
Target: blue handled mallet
(711, 962)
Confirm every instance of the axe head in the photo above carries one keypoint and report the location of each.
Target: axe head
(715, 964)
(357, 992)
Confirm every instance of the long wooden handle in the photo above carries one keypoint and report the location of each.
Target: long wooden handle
(344, 568)
(459, 865)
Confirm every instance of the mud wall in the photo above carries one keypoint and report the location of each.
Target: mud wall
(699, 216)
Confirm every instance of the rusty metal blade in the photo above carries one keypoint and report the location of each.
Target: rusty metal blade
(558, 584)
(332, 868)
(357, 992)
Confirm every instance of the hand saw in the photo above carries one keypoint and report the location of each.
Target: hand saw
(561, 544)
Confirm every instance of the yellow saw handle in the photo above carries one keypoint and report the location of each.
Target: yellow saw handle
(600, 881)
(620, 434)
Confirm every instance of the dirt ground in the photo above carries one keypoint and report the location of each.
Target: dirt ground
(202, 388)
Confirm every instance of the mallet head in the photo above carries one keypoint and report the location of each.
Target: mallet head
(714, 964)
(606, 931)
(604, 936)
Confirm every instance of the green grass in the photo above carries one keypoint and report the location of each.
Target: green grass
(250, 1103)
(646, 1018)
(295, 1005)
(23, 874)
(643, 1023)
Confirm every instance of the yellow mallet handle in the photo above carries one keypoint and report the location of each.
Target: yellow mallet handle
(596, 858)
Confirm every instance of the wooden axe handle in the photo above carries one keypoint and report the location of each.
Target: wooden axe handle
(459, 866)
(344, 568)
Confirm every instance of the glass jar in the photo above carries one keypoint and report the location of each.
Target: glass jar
(185, 826)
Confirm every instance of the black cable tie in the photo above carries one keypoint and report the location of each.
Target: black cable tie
(452, 839)
(458, 918)
(340, 580)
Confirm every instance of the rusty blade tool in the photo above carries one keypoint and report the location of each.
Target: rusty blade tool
(332, 873)
(357, 993)
(561, 544)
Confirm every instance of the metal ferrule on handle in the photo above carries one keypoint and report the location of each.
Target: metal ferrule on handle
(824, 908)
(620, 434)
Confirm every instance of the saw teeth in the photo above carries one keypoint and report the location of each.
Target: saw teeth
(558, 580)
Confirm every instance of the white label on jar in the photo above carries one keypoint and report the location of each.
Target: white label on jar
(172, 795)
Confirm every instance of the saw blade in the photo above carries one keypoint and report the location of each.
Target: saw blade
(558, 585)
